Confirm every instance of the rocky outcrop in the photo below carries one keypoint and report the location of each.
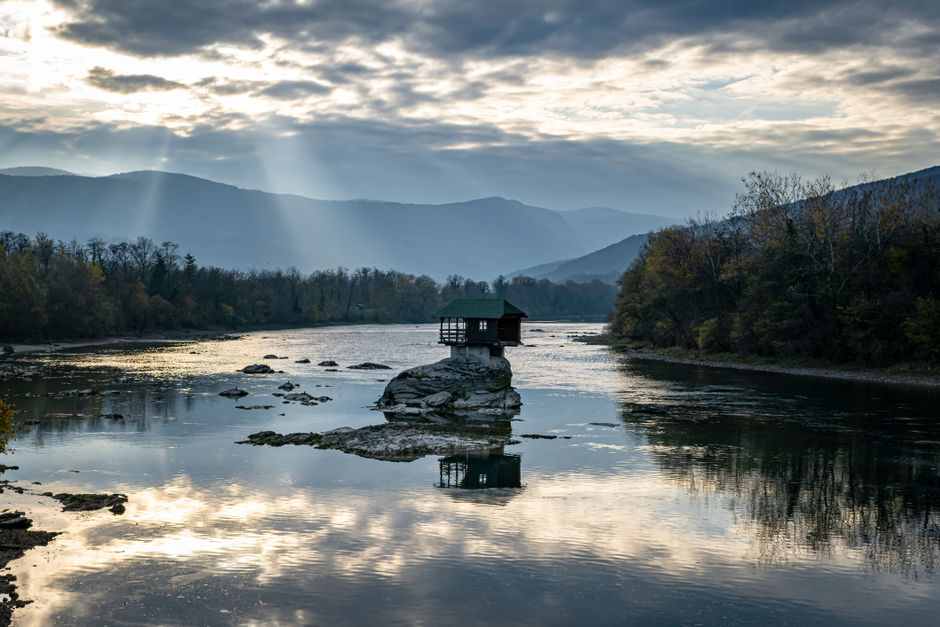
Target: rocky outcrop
(394, 441)
(369, 366)
(91, 502)
(456, 385)
(257, 369)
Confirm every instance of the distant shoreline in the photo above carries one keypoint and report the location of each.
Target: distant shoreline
(862, 376)
(54, 347)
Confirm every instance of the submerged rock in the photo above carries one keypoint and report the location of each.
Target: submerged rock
(648, 408)
(394, 441)
(257, 369)
(302, 361)
(270, 438)
(72, 393)
(287, 386)
(91, 502)
(301, 397)
(453, 385)
(329, 363)
(368, 365)
(233, 393)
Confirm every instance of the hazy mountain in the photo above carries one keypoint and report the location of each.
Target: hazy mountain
(232, 227)
(32, 170)
(606, 264)
(602, 226)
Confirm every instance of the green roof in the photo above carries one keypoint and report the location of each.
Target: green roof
(480, 308)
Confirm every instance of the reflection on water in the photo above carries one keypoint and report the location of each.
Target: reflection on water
(475, 471)
(729, 498)
(810, 468)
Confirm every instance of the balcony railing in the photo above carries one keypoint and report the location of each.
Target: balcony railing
(453, 336)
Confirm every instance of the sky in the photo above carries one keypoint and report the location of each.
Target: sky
(643, 105)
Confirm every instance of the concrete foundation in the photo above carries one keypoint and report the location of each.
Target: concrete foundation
(481, 353)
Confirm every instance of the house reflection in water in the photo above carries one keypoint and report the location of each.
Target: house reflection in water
(474, 471)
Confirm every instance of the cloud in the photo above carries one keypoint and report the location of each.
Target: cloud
(926, 91)
(175, 27)
(291, 90)
(572, 28)
(106, 79)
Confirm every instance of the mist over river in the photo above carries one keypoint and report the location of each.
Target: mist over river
(672, 494)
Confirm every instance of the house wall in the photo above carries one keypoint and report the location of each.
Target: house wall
(477, 334)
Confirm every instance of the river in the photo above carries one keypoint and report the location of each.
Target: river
(673, 494)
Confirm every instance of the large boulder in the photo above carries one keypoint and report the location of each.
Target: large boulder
(454, 385)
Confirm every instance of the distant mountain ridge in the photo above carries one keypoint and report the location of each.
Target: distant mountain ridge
(231, 227)
(33, 170)
(605, 265)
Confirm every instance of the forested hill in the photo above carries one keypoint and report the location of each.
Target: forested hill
(54, 290)
(798, 270)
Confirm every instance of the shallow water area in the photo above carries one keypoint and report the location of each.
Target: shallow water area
(672, 494)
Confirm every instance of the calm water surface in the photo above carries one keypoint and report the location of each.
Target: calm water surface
(748, 498)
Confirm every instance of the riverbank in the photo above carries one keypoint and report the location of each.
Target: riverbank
(885, 375)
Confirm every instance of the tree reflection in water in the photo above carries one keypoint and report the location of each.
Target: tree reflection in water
(807, 487)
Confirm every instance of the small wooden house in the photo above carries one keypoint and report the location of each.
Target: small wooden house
(482, 326)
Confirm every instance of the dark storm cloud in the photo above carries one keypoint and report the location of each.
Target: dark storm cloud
(574, 28)
(106, 79)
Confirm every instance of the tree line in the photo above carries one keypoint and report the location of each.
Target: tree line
(798, 269)
(54, 289)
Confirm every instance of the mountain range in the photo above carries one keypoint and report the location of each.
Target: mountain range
(231, 227)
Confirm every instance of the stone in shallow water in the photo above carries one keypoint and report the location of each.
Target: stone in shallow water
(368, 365)
(302, 397)
(233, 393)
(455, 384)
(648, 408)
(257, 369)
(91, 502)
(398, 441)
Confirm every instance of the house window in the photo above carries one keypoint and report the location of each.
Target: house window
(483, 325)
